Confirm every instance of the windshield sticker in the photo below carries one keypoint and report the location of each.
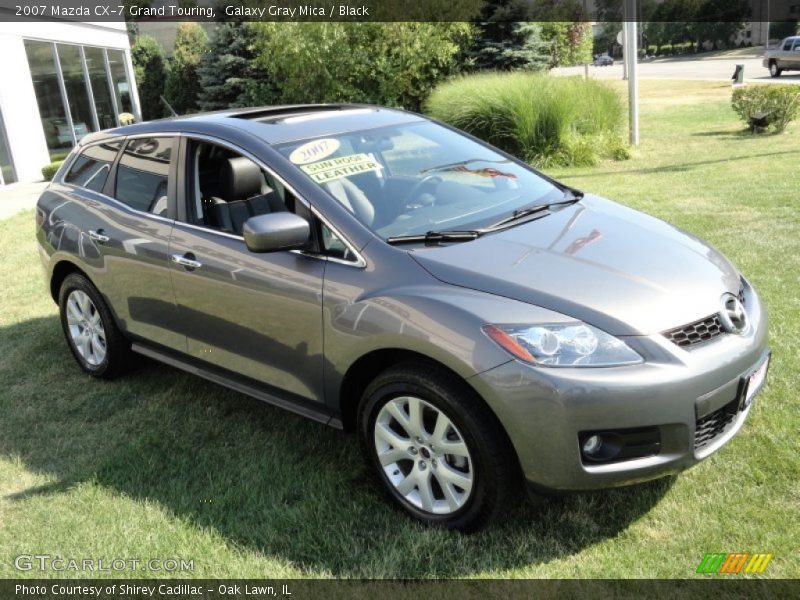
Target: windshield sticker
(316, 150)
(343, 166)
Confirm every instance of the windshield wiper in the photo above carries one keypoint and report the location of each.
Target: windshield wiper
(432, 238)
(460, 163)
(570, 197)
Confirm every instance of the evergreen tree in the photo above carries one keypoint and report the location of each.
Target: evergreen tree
(226, 72)
(506, 40)
(150, 68)
(511, 45)
(183, 82)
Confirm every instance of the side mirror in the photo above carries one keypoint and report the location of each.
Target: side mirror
(276, 231)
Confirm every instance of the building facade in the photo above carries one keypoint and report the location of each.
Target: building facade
(58, 82)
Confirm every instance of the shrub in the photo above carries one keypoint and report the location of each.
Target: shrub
(49, 170)
(780, 102)
(541, 119)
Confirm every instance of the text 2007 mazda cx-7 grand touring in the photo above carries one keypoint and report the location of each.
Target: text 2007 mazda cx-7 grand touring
(479, 325)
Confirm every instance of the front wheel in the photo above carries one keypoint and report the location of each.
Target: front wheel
(774, 70)
(436, 449)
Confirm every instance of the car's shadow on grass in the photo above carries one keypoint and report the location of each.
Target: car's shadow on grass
(268, 481)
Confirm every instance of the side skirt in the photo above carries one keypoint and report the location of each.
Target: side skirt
(299, 406)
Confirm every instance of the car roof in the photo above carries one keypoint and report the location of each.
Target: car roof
(273, 124)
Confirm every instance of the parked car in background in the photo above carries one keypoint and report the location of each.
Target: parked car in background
(785, 57)
(603, 60)
(477, 324)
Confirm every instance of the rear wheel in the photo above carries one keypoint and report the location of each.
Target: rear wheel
(92, 335)
(435, 449)
(774, 70)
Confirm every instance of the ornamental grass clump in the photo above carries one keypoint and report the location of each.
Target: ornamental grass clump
(544, 120)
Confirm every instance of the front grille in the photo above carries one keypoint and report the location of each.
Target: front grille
(700, 331)
(713, 425)
(696, 333)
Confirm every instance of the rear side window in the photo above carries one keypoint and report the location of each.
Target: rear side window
(143, 174)
(90, 170)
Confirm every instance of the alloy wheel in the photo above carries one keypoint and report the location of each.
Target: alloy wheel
(86, 328)
(424, 456)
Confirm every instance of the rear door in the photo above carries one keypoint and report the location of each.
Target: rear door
(126, 235)
(258, 316)
(794, 57)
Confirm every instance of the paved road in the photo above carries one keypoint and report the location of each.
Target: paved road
(16, 197)
(705, 68)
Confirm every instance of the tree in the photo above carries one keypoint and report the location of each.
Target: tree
(378, 63)
(183, 82)
(570, 42)
(511, 45)
(718, 21)
(150, 68)
(226, 71)
(506, 39)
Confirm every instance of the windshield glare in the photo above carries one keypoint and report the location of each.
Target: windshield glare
(414, 178)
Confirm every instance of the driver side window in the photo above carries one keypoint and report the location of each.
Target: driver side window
(143, 174)
(225, 189)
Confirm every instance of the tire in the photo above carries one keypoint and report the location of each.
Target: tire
(774, 70)
(92, 335)
(489, 473)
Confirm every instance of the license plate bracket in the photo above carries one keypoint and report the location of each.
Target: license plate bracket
(753, 382)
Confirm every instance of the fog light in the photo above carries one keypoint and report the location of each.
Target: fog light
(592, 445)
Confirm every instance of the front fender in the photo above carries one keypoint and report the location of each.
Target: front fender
(439, 321)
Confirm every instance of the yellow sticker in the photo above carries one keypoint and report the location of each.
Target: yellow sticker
(344, 166)
(316, 150)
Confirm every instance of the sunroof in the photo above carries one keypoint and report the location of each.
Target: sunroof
(284, 113)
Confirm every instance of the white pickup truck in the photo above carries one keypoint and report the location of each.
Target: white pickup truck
(785, 57)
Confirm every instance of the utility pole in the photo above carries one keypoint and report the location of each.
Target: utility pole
(766, 44)
(631, 36)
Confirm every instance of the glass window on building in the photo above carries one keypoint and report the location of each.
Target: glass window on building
(49, 98)
(119, 77)
(80, 106)
(96, 65)
(7, 174)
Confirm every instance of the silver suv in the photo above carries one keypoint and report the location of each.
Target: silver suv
(477, 324)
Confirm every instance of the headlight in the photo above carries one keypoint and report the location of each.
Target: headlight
(563, 345)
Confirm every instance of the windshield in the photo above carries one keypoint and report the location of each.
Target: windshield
(414, 178)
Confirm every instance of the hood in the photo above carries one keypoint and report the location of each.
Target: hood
(613, 267)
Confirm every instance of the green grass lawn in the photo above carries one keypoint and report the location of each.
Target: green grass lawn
(163, 465)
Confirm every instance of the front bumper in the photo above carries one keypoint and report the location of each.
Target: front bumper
(545, 409)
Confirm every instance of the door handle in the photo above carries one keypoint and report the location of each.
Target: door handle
(187, 260)
(99, 236)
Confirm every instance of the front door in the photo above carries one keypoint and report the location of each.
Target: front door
(257, 315)
(794, 59)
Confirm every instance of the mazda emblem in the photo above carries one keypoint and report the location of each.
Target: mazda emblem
(733, 315)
